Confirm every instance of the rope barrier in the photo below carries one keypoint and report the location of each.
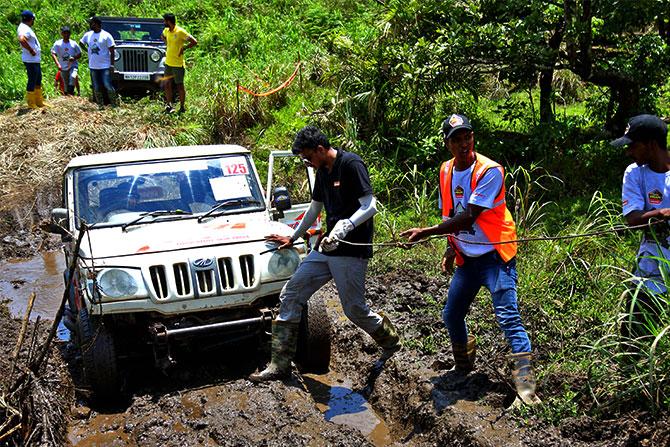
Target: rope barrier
(284, 84)
(406, 245)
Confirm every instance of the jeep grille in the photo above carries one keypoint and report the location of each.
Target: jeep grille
(205, 279)
(247, 267)
(135, 60)
(220, 275)
(159, 280)
(181, 278)
(226, 270)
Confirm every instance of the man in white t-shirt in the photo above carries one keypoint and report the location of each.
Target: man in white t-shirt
(65, 54)
(646, 198)
(482, 236)
(31, 55)
(100, 46)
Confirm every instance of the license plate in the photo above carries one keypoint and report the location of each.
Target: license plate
(136, 76)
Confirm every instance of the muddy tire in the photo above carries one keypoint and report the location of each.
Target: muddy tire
(314, 337)
(98, 353)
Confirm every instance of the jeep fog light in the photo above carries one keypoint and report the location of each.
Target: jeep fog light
(155, 56)
(116, 283)
(283, 263)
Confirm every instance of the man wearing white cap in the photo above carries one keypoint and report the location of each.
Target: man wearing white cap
(31, 55)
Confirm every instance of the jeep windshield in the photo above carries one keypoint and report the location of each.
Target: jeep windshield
(117, 195)
(134, 31)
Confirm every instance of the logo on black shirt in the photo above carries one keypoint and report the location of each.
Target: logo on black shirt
(655, 197)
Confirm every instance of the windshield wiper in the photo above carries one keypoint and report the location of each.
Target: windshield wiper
(229, 202)
(154, 214)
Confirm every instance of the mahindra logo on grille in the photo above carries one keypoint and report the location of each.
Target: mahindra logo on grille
(202, 263)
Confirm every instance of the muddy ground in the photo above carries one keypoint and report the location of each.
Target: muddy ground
(207, 400)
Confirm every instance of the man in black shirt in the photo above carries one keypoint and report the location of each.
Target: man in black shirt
(343, 187)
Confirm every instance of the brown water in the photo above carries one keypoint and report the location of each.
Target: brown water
(341, 404)
(42, 274)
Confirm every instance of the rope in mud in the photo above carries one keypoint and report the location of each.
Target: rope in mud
(593, 234)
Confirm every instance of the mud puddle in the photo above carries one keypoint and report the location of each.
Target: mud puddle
(341, 404)
(336, 407)
(42, 274)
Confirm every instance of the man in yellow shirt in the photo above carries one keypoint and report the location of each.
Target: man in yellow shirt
(174, 37)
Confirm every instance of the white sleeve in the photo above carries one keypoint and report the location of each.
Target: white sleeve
(308, 219)
(487, 189)
(632, 196)
(366, 211)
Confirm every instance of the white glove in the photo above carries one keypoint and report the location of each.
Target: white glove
(341, 229)
(339, 232)
(328, 244)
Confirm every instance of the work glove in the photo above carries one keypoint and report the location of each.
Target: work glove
(328, 244)
(339, 232)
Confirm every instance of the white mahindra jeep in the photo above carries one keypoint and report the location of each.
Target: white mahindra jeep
(173, 249)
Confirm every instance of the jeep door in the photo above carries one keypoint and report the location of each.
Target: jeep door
(288, 170)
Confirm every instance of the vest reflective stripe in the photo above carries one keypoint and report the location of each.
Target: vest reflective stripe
(496, 223)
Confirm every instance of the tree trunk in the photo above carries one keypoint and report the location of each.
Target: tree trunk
(547, 75)
(628, 97)
(546, 96)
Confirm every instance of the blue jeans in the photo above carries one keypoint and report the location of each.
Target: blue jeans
(34, 71)
(500, 279)
(101, 78)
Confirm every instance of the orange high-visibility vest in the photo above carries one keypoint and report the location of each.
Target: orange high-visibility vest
(496, 223)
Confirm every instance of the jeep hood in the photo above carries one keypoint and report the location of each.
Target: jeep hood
(176, 235)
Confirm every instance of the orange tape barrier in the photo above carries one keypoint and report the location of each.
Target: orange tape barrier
(285, 84)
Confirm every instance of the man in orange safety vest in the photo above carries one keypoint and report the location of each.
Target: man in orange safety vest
(482, 238)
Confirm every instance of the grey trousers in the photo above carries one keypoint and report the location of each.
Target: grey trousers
(314, 272)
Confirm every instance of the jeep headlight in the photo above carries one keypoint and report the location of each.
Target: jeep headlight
(283, 263)
(117, 56)
(119, 283)
(155, 56)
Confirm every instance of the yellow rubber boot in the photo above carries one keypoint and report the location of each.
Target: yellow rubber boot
(39, 99)
(30, 99)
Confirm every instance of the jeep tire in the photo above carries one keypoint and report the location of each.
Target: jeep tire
(98, 353)
(314, 337)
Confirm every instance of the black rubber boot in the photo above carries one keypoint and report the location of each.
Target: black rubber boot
(284, 342)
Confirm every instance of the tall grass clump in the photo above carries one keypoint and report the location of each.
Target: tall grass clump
(632, 366)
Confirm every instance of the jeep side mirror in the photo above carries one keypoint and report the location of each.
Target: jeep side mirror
(58, 223)
(281, 199)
